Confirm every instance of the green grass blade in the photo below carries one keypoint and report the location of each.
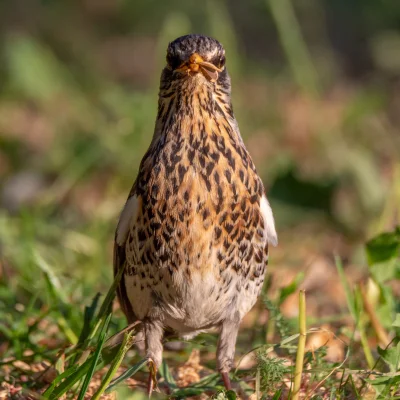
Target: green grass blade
(126, 345)
(67, 330)
(166, 374)
(88, 317)
(54, 284)
(57, 296)
(96, 358)
(107, 302)
(73, 377)
(209, 380)
(58, 379)
(277, 395)
(127, 374)
(349, 295)
(294, 45)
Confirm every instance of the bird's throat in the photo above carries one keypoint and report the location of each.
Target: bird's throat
(195, 110)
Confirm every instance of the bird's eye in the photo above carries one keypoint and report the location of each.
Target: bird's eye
(221, 62)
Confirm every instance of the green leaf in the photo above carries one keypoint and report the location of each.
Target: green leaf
(383, 384)
(383, 247)
(391, 356)
(231, 395)
(386, 270)
(396, 322)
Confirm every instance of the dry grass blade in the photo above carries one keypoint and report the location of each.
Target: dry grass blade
(118, 338)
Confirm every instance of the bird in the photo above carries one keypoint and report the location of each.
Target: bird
(193, 235)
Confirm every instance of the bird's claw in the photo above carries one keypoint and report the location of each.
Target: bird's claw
(152, 382)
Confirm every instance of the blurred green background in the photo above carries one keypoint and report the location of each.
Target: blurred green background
(316, 92)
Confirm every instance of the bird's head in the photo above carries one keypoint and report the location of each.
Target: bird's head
(194, 83)
(195, 56)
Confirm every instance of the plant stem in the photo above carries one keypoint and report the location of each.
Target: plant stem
(301, 345)
(364, 344)
(361, 328)
(376, 324)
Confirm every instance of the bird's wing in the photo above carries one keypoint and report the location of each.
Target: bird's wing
(128, 213)
(128, 216)
(269, 224)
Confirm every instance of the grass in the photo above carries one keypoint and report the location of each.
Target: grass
(70, 345)
(75, 137)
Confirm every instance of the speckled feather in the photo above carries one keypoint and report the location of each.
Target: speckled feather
(194, 232)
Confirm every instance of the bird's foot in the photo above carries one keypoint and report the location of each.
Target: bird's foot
(152, 382)
(226, 380)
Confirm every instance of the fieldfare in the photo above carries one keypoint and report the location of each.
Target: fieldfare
(193, 235)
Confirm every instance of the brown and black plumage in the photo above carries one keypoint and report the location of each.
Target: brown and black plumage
(194, 232)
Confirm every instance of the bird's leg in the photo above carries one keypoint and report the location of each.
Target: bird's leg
(140, 342)
(226, 349)
(226, 380)
(153, 331)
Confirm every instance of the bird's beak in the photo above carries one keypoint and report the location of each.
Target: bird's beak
(197, 64)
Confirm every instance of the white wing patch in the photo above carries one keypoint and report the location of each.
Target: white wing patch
(269, 223)
(126, 219)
